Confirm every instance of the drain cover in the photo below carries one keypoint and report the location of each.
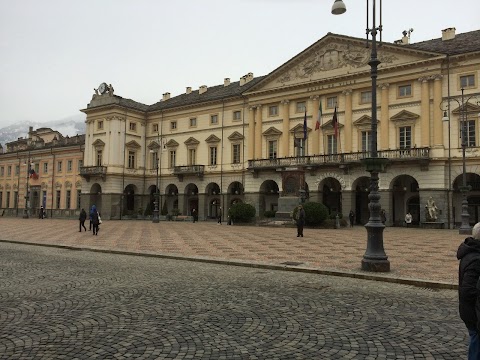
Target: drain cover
(291, 263)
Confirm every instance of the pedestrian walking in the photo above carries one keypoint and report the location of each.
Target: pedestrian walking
(82, 218)
(383, 215)
(90, 215)
(194, 215)
(300, 219)
(41, 213)
(468, 294)
(408, 219)
(351, 217)
(96, 221)
(219, 219)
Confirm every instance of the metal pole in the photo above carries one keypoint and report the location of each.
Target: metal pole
(156, 219)
(465, 228)
(27, 194)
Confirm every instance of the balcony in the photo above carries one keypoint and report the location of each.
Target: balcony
(89, 171)
(418, 155)
(181, 171)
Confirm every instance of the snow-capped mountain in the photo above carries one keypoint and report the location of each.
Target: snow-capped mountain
(70, 126)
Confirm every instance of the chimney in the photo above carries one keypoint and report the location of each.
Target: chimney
(249, 76)
(226, 81)
(243, 80)
(448, 34)
(166, 96)
(189, 90)
(202, 89)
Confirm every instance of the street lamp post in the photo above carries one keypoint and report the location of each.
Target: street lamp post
(375, 259)
(465, 228)
(26, 214)
(156, 219)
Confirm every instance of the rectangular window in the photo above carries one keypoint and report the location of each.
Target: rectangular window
(44, 199)
(301, 106)
(405, 140)
(154, 159)
(214, 119)
(192, 156)
(9, 170)
(99, 157)
(365, 97)
(57, 199)
(173, 125)
(59, 166)
(17, 169)
(237, 115)
(15, 199)
(467, 81)
(331, 144)
(80, 164)
(236, 153)
(213, 155)
(193, 122)
(272, 149)
(155, 128)
(100, 125)
(68, 198)
(133, 126)
(331, 102)
(8, 200)
(79, 198)
(366, 138)
(45, 168)
(300, 146)
(405, 90)
(37, 167)
(1, 199)
(131, 159)
(273, 110)
(69, 165)
(172, 159)
(468, 131)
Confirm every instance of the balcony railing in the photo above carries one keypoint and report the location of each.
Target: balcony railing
(88, 171)
(339, 159)
(181, 171)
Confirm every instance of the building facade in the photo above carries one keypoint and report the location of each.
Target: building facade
(41, 170)
(262, 138)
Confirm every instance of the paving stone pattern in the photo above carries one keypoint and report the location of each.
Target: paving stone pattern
(413, 253)
(69, 304)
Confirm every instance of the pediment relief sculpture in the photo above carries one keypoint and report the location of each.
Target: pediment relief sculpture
(212, 139)
(58, 185)
(404, 115)
(272, 132)
(153, 145)
(68, 184)
(363, 121)
(78, 184)
(235, 136)
(333, 56)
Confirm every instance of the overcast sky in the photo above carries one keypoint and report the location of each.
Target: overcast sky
(53, 53)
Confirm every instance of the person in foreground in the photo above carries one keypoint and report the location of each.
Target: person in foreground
(95, 221)
(468, 275)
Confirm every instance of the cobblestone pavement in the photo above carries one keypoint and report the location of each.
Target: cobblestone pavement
(418, 254)
(63, 304)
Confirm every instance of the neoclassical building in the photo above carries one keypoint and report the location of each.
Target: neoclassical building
(254, 140)
(42, 169)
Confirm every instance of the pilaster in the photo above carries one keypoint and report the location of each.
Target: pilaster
(437, 125)
(348, 120)
(258, 132)
(425, 113)
(285, 127)
(316, 133)
(384, 117)
(251, 132)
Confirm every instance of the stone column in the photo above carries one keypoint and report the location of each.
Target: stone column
(425, 114)
(285, 128)
(181, 204)
(437, 125)
(251, 133)
(348, 120)
(258, 132)
(384, 118)
(202, 211)
(315, 133)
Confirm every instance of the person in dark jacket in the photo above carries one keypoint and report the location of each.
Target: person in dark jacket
(300, 218)
(95, 221)
(82, 218)
(468, 295)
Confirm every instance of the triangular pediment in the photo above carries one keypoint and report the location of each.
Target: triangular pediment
(133, 144)
(337, 56)
(272, 131)
(153, 145)
(363, 121)
(212, 139)
(235, 136)
(468, 107)
(171, 143)
(298, 129)
(191, 141)
(98, 143)
(404, 115)
(329, 125)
